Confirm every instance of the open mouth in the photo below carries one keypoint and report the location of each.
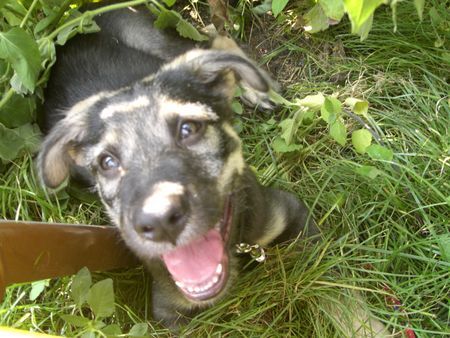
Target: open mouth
(200, 268)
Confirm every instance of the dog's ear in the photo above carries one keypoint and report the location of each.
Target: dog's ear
(59, 151)
(213, 65)
(222, 71)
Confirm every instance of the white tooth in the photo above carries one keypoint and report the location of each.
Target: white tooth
(190, 289)
(180, 284)
(215, 279)
(197, 289)
(219, 269)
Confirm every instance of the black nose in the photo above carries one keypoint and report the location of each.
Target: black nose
(163, 225)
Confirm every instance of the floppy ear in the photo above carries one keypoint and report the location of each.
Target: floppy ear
(232, 68)
(213, 64)
(59, 151)
(222, 71)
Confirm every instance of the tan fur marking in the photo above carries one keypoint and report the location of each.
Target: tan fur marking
(85, 104)
(183, 59)
(227, 44)
(277, 225)
(186, 110)
(160, 201)
(124, 107)
(234, 163)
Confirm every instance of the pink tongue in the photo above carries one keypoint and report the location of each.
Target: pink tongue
(197, 261)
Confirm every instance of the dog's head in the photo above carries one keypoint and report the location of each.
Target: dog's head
(165, 160)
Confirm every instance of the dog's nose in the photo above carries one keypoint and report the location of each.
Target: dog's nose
(163, 216)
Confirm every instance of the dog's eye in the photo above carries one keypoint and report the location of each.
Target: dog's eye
(190, 131)
(108, 163)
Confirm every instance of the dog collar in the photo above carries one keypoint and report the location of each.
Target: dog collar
(256, 252)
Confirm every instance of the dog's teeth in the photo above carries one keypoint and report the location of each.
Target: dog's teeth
(197, 289)
(180, 284)
(215, 279)
(219, 269)
(190, 289)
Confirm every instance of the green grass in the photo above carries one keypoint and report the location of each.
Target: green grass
(387, 237)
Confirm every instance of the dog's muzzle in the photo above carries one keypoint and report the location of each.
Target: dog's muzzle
(200, 267)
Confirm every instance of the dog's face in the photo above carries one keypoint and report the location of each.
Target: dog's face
(165, 160)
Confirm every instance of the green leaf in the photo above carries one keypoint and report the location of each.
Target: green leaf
(18, 110)
(316, 20)
(368, 171)
(44, 23)
(263, 8)
(287, 130)
(279, 145)
(365, 28)
(359, 11)
(14, 141)
(37, 288)
(186, 30)
(10, 17)
(444, 246)
(47, 51)
(138, 330)
(308, 117)
(167, 19)
(377, 152)
(15, 6)
(331, 108)
(313, 102)
(81, 283)
(338, 132)
(436, 18)
(74, 320)
(278, 6)
(112, 330)
(169, 3)
(10, 144)
(22, 52)
(89, 334)
(87, 25)
(31, 136)
(334, 9)
(101, 298)
(361, 139)
(269, 125)
(359, 107)
(237, 107)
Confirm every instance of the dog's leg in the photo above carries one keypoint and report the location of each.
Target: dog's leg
(273, 216)
(290, 218)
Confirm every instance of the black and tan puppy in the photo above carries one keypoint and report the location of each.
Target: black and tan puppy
(146, 117)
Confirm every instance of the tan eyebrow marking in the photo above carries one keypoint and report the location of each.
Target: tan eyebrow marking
(186, 110)
(124, 107)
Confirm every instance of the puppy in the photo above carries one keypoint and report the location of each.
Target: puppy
(145, 116)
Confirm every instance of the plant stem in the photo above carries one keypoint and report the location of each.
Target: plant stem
(98, 11)
(6, 97)
(33, 4)
(60, 14)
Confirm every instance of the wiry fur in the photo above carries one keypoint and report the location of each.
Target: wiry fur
(123, 92)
